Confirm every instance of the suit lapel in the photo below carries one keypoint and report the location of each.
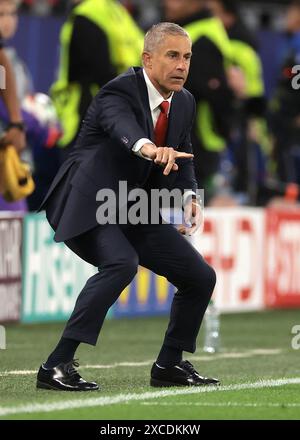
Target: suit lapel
(145, 102)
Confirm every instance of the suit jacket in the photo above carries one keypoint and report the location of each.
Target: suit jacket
(118, 116)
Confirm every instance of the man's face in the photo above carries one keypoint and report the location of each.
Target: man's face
(168, 65)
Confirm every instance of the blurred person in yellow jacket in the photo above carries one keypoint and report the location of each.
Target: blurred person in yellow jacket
(98, 41)
(250, 118)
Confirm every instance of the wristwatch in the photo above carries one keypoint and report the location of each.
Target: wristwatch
(19, 125)
(195, 198)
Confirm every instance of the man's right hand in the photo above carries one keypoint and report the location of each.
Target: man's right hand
(164, 156)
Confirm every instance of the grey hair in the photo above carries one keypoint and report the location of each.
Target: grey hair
(157, 32)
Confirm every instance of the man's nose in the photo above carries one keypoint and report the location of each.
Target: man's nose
(182, 64)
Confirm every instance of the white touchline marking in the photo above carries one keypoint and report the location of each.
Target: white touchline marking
(212, 357)
(120, 364)
(17, 372)
(237, 404)
(122, 398)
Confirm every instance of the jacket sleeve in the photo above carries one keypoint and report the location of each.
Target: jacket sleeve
(186, 180)
(117, 111)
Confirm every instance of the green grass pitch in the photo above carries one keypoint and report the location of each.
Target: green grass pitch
(259, 370)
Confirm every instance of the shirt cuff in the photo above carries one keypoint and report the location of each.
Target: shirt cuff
(187, 195)
(138, 145)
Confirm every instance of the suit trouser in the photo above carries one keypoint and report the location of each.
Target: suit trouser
(117, 251)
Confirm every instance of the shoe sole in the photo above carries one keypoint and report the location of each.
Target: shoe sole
(161, 383)
(46, 386)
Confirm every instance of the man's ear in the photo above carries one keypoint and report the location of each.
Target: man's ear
(147, 60)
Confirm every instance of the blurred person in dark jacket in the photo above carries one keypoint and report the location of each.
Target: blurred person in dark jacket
(285, 105)
(212, 81)
(244, 52)
(250, 150)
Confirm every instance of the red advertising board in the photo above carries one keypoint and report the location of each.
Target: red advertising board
(282, 277)
(232, 242)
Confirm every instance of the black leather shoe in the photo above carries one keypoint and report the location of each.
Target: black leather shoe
(63, 377)
(183, 374)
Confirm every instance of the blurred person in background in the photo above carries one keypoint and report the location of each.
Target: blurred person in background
(98, 41)
(285, 104)
(12, 130)
(250, 144)
(8, 28)
(35, 108)
(213, 83)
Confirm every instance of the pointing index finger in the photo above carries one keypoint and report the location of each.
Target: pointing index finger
(185, 155)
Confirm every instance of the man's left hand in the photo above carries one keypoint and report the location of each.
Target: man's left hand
(193, 215)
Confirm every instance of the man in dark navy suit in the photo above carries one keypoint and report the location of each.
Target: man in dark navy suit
(137, 131)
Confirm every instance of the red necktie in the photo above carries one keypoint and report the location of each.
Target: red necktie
(161, 126)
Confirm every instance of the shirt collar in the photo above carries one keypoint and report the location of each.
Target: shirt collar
(155, 98)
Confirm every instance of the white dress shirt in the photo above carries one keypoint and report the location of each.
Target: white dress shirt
(155, 99)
